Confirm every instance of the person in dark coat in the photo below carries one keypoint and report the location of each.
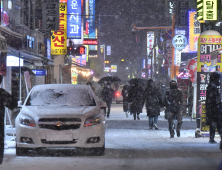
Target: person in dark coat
(153, 100)
(173, 101)
(136, 99)
(125, 98)
(107, 96)
(6, 100)
(213, 106)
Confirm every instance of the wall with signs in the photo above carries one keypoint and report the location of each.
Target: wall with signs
(59, 38)
(74, 19)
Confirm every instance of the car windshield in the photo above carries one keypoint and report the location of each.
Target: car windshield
(55, 97)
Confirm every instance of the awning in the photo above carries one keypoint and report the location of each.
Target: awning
(28, 56)
(6, 30)
(23, 69)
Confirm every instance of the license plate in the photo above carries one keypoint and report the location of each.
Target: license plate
(50, 137)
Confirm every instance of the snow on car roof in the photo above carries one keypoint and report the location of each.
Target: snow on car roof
(59, 86)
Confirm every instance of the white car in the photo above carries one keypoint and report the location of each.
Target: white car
(60, 115)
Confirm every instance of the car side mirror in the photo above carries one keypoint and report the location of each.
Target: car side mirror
(20, 104)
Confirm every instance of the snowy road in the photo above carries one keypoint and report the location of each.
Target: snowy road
(130, 146)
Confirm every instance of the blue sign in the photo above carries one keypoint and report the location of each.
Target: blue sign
(39, 72)
(91, 20)
(179, 42)
(47, 43)
(74, 19)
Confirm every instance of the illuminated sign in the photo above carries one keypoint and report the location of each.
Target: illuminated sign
(150, 41)
(113, 68)
(207, 44)
(92, 32)
(39, 72)
(108, 50)
(210, 9)
(194, 30)
(58, 39)
(207, 9)
(13, 61)
(179, 42)
(107, 69)
(90, 42)
(74, 19)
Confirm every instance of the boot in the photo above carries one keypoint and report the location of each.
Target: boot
(126, 114)
(138, 118)
(155, 126)
(178, 133)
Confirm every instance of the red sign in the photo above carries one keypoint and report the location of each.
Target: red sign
(90, 42)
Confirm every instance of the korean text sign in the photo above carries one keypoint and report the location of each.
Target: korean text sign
(74, 19)
(194, 30)
(210, 9)
(58, 39)
(207, 44)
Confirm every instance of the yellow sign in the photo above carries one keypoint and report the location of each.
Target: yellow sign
(194, 30)
(74, 77)
(59, 38)
(207, 44)
(210, 9)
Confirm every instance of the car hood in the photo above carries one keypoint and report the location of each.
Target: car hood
(60, 111)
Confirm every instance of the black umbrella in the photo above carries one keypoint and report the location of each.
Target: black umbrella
(140, 81)
(111, 79)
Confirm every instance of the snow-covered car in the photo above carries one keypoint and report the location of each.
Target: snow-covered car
(60, 115)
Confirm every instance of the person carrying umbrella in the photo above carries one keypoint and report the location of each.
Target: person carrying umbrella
(107, 96)
(125, 98)
(153, 103)
(135, 97)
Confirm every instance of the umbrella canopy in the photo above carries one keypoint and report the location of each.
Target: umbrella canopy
(140, 81)
(111, 79)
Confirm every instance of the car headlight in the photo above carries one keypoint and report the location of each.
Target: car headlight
(94, 120)
(26, 120)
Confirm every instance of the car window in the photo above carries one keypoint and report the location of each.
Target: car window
(52, 97)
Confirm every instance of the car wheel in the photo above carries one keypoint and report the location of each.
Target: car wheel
(99, 151)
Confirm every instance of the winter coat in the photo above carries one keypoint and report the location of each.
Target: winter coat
(125, 93)
(212, 103)
(173, 100)
(107, 94)
(136, 99)
(153, 100)
(9, 101)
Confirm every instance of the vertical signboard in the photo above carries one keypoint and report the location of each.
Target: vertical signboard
(74, 76)
(200, 9)
(50, 17)
(91, 20)
(194, 31)
(210, 9)
(74, 19)
(108, 50)
(182, 12)
(58, 39)
(150, 42)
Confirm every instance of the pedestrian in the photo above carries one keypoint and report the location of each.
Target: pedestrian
(213, 106)
(107, 96)
(125, 99)
(173, 101)
(6, 100)
(136, 99)
(153, 101)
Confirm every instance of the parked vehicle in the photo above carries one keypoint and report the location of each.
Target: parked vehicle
(118, 95)
(60, 115)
